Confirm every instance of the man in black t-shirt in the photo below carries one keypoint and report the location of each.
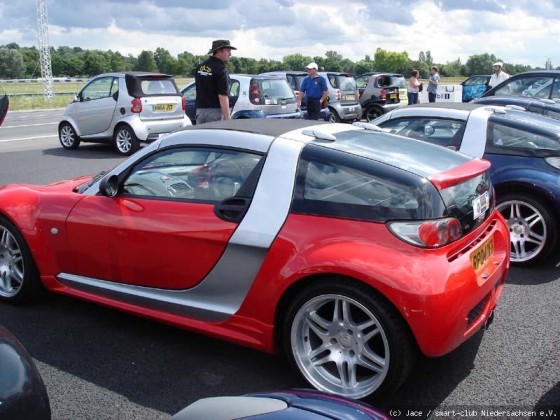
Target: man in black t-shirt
(212, 84)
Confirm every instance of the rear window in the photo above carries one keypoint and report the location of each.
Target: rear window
(150, 85)
(345, 82)
(158, 87)
(273, 91)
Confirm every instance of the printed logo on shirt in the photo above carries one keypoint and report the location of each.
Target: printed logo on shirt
(204, 70)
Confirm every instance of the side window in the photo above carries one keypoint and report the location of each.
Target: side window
(527, 86)
(190, 93)
(234, 88)
(192, 174)
(510, 140)
(98, 89)
(555, 90)
(332, 80)
(337, 190)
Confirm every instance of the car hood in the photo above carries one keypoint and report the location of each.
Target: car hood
(66, 185)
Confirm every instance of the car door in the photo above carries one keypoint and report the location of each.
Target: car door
(189, 93)
(170, 222)
(96, 105)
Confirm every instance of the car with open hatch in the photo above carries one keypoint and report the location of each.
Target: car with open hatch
(252, 96)
(347, 249)
(524, 149)
(380, 93)
(125, 109)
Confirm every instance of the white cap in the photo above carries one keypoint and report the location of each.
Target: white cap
(313, 66)
(499, 63)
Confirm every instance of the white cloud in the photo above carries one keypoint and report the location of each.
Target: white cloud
(516, 31)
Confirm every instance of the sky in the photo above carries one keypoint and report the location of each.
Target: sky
(516, 31)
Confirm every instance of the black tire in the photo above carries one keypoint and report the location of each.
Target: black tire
(372, 112)
(67, 136)
(333, 116)
(533, 228)
(125, 141)
(19, 277)
(347, 340)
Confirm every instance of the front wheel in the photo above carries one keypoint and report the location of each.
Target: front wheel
(19, 279)
(344, 339)
(68, 137)
(532, 228)
(125, 141)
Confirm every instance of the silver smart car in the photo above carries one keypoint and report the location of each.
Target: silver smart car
(125, 109)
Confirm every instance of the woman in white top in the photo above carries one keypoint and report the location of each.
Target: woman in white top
(413, 88)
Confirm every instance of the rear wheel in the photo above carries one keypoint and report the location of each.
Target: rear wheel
(19, 279)
(125, 141)
(372, 112)
(345, 339)
(333, 116)
(67, 136)
(532, 228)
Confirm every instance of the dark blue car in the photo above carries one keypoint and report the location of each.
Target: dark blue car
(546, 107)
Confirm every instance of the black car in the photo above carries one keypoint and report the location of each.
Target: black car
(546, 107)
(536, 83)
(22, 392)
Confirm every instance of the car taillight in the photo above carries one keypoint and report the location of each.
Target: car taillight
(338, 96)
(183, 103)
(428, 233)
(254, 95)
(136, 105)
(383, 94)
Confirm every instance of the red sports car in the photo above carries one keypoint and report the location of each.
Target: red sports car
(345, 248)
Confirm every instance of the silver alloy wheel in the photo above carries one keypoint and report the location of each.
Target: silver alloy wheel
(123, 141)
(11, 264)
(527, 229)
(340, 346)
(67, 135)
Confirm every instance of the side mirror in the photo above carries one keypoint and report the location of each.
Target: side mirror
(109, 186)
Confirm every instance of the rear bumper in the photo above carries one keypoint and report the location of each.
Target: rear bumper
(347, 112)
(151, 130)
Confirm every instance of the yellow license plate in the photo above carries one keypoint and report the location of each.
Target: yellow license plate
(163, 107)
(482, 254)
(393, 96)
(350, 97)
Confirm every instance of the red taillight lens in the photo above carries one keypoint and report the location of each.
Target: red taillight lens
(383, 94)
(136, 105)
(254, 95)
(428, 233)
(183, 103)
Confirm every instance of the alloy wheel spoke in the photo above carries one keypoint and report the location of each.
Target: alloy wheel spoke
(318, 325)
(347, 374)
(371, 361)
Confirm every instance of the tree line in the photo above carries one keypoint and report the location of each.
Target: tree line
(23, 62)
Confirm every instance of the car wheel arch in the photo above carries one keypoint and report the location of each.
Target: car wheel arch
(135, 141)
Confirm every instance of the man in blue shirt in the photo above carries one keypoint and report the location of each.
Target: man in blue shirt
(316, 90)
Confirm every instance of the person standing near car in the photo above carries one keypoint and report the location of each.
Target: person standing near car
(498, 76)
(315, 88)
(212, 84)
(433, 83)
(413, 88)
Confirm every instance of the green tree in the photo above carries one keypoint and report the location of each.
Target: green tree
(95, 63)
(391, 61)
(480, 64)
(31, 61)
(11, 63)
(333, 61)
(146, 62)
(166, 63)
(295, 62)
(363, 66)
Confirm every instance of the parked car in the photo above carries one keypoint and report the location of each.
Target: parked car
(475, 86)
(546, 107)
(536, 83)
(524, 149)
(344, 99)
(380, 93)
(294, 79)
(280, 405)
(125, 109)
(345, 248)
(22, 392)
(252, 96)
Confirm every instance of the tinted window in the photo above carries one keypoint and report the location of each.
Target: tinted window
(433, 130)
(503, 139)
(199, 174)
(274, 91)
(524, 86)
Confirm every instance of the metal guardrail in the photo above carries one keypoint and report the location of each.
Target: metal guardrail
(55, 79)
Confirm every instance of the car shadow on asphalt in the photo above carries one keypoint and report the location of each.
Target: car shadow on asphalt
(86, 151)
(531, 276)
(166, 368)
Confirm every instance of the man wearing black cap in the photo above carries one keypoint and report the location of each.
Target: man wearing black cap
(212, 84)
